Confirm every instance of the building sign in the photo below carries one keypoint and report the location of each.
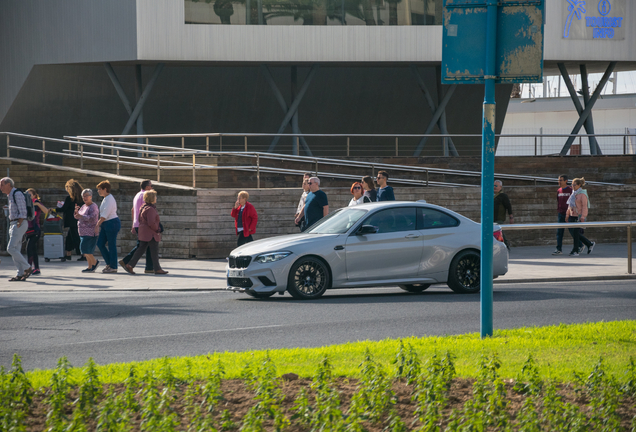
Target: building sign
(594, 19)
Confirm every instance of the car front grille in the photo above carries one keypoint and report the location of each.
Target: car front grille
(239, 282)
(239, 262)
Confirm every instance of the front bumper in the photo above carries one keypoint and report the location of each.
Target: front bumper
(259, 277)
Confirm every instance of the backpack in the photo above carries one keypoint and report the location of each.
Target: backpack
(29, 205)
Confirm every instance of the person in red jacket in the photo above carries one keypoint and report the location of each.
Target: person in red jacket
(245, 218)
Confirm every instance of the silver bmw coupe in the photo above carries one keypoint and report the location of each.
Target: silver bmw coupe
(408, 244)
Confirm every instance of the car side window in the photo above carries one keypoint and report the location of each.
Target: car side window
(428, 218)
(393, 220)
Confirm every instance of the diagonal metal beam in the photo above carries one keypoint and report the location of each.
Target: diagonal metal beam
(588, 109)
(589, 122)
(142, 99)
(281, 101)
(120, 90)
(449, 146)
(429, 99)
(294, 106)
(436, 116)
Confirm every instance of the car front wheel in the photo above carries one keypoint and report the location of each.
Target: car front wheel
(415, 288)
(463, 277)
(308, 279)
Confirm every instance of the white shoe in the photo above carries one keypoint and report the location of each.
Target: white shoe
(589, 248)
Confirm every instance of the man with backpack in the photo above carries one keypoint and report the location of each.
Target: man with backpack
(19, 215)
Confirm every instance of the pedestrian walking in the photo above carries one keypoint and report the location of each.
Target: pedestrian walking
(563, 194)
(301, 202)
(245, 218)
(18, 218)
(87, 217)
(138, 202)
(149, 233)
(34, 231)
(358, 197)
(385, 192)
(108, 227)
(578, 205)
(369, 188)
(501, 207)
(316, 205)
(74, 198)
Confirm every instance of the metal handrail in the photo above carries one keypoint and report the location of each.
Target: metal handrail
(627, 224)
(159, 150)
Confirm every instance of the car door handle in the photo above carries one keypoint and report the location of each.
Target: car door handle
(412, 236)
(338, 248)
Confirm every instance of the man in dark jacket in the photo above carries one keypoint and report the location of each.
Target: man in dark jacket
(245, 218)
(385, 192)
(563, 194)
(502, 206)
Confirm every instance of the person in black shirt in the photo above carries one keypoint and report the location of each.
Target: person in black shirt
(316, 205)
(369, 188)
(385, 192)
(74, 198)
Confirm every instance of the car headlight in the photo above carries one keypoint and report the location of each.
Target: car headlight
(271, 257)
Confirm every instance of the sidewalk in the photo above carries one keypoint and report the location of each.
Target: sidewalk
(527, 264)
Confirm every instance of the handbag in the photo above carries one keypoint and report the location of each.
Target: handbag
(160, 227)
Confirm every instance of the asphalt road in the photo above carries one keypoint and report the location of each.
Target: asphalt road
(126, 326)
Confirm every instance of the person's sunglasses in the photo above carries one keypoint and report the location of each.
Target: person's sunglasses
(356, 187)
(309, 183)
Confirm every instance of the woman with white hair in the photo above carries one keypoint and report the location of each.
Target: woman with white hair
(87, 217)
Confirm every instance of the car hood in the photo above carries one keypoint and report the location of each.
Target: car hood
(280, 243)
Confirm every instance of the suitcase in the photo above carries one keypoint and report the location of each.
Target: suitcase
(54, 247)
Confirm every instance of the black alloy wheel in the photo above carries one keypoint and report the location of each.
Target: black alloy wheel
(415, 288)
(463, 277)
(308, 279)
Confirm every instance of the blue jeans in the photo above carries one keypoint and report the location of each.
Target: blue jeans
(560, 231)
(108, 234)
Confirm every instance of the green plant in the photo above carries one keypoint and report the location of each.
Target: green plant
(407, 363)
(156, 413)
(431, 391)
(529, 380)
(327, 415)
(113, 416)
(227, 424)
(16, 396)
(58, 394)
(374, 397)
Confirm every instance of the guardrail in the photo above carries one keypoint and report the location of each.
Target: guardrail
(147, 155)
(627, 224)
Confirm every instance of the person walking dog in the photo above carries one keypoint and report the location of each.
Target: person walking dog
(245, 218)
(149, 234)
(17, 228)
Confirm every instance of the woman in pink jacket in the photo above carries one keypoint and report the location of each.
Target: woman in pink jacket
(578, 203)
(149, 234)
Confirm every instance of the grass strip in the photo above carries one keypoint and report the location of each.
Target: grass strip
(558, 351)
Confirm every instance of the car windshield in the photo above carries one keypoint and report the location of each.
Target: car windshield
(337, 222)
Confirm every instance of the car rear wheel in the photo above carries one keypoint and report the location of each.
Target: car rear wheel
(463, 276)
(259, 295)
(308, 279)
(415, 288)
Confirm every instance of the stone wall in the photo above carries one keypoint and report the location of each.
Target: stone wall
(198, 222)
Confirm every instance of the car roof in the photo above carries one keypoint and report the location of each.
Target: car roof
(420, 203)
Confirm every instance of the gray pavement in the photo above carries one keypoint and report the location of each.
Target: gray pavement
(527, 264)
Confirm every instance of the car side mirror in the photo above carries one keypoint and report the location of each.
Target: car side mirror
(367, 229)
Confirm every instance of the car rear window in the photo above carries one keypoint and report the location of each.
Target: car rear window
(428, 218)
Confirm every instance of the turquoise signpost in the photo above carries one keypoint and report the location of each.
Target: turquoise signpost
(489, 42)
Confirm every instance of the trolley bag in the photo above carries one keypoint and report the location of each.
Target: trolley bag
(53, 224)
(54, 247)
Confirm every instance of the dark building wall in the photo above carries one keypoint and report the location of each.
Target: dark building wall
(59, 100)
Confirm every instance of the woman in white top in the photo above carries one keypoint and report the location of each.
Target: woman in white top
(358, 197)
(110, 225)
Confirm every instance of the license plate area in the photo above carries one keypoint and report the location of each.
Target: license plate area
(233, 273)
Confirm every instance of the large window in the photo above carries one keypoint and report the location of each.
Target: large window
(314, 12)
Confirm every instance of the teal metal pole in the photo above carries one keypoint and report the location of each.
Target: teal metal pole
(488, 172)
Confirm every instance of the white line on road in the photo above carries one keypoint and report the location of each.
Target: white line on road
(172, 334)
